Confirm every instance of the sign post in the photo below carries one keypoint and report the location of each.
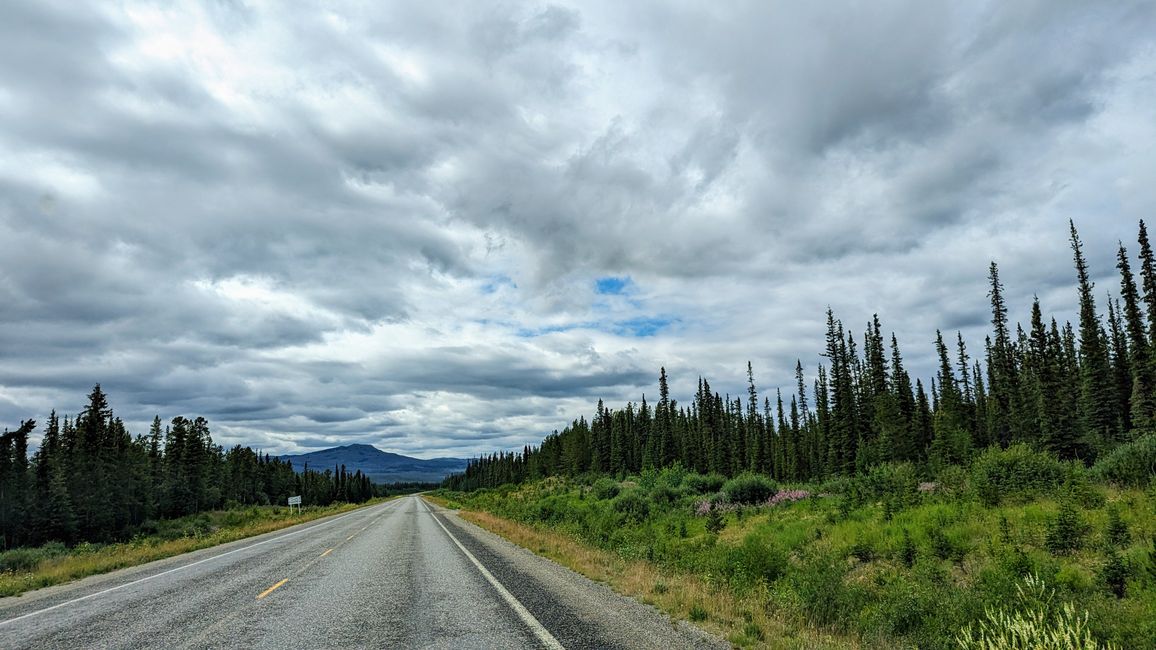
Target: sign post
(295, 501)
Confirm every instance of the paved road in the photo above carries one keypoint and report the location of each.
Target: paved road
(404, 574)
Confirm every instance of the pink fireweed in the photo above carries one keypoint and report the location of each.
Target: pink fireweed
(788, 496)
(702, 508)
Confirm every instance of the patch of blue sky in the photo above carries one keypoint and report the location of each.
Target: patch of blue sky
(497, 282)
(612, 286)
(642, 326)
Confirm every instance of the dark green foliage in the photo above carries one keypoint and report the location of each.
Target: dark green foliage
(942, 546)
(823, 595)
(704, 483)
(1015, 473)
(1149, 564)
(1115, 574)
(1132, 463)
(1066, 533)
(715, 522)
(907, 550)
(892, 483)
(632, 505)
(91, 481)
(1117, 534)
(752, 561)
(749, 489)
(605, 488)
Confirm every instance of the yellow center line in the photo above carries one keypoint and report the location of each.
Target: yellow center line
(326, 552)
(351, 537)
(270, 589)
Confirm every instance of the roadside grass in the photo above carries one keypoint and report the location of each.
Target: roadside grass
(857, 563)
(26, 569)
(742, 619)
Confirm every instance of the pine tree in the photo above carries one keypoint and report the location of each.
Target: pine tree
(1097, 408)
(1121, 364)
(1002, 375)
(1148, 282)
(1142, 399)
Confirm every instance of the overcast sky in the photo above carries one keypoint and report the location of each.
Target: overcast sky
(445, 228)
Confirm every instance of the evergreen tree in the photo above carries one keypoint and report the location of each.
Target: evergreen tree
(1097, 409)
(1142, 398)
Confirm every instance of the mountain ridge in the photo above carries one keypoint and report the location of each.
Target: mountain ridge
(380, 466)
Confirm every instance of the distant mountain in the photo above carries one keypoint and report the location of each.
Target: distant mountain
(380, 466)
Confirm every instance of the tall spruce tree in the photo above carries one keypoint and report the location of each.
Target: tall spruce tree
(1096, 388)
(1142, 400)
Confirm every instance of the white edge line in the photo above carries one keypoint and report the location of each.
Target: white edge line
(535, 626)
(182, 567)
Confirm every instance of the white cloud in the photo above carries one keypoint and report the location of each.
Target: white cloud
(385, 224)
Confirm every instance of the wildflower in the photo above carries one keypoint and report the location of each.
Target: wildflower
(787, 496)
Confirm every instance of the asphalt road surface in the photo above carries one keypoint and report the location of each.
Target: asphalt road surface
(403, 574)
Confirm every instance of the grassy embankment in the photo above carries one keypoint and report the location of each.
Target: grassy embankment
(882, 561)
(25, 569)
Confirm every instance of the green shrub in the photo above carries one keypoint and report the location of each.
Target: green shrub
(665, 494)
(952, 482)
(1016, 473)
(632, 505)
(20, 559)
(943, 547)
(749, 489)
(1117, 533)
(753, 560)
(1115, 574)
(907, 551)
(893, 483)
(821, 590)
(704, 483)
(714, 520)
(1067, 531)
(606, 488)
(1132, 464)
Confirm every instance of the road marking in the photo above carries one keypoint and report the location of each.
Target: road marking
(386, 505)
(351, 537)
(535, 626)
(326, 552)
(271, 589)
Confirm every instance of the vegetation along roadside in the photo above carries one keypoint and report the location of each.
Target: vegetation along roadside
(1007, 502)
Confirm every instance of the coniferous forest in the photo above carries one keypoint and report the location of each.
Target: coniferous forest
(92, 481)
(1075, 390)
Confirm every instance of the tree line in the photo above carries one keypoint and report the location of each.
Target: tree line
(91, 480)
(1074, 390)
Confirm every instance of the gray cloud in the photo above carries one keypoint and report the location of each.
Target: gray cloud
(332, 224)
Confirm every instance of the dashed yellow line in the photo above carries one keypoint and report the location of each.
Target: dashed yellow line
(326, 552)
(351, 537)
(270, 589)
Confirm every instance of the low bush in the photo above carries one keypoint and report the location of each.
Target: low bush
(606, 488)
(1015, 474)
(1131, 464)
(704, 483)
(821, 589)
(895, 484)
(1067, 531)
(26, 559)
(632, 505)
(752, 561)
(749, 489)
